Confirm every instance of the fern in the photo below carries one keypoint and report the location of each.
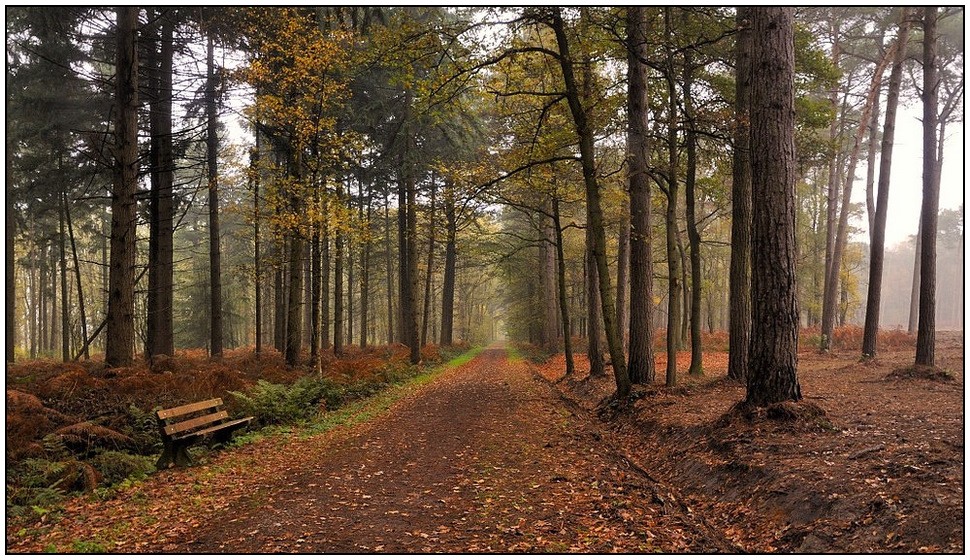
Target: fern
(274, 403)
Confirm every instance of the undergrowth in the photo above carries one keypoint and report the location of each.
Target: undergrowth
(83, 458)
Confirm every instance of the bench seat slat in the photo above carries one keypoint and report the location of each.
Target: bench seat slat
(215, 428)
(195, 422)
(188, 408)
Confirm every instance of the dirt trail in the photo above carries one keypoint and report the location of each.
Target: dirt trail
(486, 458)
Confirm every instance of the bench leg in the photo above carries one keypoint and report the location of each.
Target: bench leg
(167, 459)
(174, 454)
(182, 457)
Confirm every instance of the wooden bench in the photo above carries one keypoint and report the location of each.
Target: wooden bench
(186, 425)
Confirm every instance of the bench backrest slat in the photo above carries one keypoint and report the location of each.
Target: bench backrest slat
(188, 408)
(187, 425)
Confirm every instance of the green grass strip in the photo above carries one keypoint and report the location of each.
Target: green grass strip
(513, 353)
(371, 407)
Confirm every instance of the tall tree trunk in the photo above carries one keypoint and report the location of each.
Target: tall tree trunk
(65, 312)
(773, 359)
(365, 278)
(325, 280)
(594, 210)
(693, 235)
(10, 285)
(926, 331)
(739, 329)
(871, 151)
(914, 291)
(448, 289)
(673, 261)
(830, 297)
(120, 336)
(348, 240)
(407, 244)
(338, 284)
(411, 288)
(77, 278)
(561, 279)
(548, 331)
(641, 366)
(43, 287)
(215, 253)
(623, 278)
(388, 271)
(31, 309)
(52, 282)
(426, 314)
(161, 337)
(279, 297)
(878, 224)
(315, 291)
(836, 131)
(294, 308)
(308, 291)
(255, 178)
(294, 291)
(594, 329)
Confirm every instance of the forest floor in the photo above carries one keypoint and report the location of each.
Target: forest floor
(492, 456)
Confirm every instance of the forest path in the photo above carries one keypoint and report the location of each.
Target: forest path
(485, 458)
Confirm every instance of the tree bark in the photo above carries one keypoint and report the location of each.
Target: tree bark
(594, 340)
(294, 291)
(365, 279)
(338, 284)
(325, 280)
(120, 338)
(926, 330)
(549, 329)
(693, 234)
(878, 223)
(561, 279)
(773, 358)
(315, 291)
(10, 291)
(215, 253)
(161, 338)
(294, 308)
(623, 278)
(739, 328)
(593, 207)
(77, 278)
(407, 244)
(831, 292)
(65, 312)
(255, 178)
(448, 289)
(279, 296)
(641, 366)
(871, 151)
(914, 291)
(388, 272)
(426, 313)
(673, 260)
(349, 242)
